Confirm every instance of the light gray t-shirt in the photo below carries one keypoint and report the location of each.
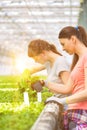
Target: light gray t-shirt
(59, 65)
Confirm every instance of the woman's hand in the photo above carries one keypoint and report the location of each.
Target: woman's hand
(37, 85)
(60, 101)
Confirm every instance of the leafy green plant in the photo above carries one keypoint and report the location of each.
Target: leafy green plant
(26, 79)
(13, 114)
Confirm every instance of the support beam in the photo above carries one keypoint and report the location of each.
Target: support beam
(48, 119)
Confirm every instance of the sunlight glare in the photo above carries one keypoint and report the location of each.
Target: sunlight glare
(21, 63)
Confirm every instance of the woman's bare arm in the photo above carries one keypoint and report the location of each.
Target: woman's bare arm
(38, 68)
(64, 75)
(77, 97)
(61, 88)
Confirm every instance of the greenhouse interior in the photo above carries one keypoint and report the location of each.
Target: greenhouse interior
(21, 21)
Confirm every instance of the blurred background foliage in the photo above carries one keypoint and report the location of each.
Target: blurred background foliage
(14, 114)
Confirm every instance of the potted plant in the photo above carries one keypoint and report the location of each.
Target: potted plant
(25, 82)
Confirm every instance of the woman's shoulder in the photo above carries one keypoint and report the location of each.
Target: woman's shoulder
(61, 59)
(84, 57)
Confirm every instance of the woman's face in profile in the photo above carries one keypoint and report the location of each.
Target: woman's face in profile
(67, 45)
(39, 58)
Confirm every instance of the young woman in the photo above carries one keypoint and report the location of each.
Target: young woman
(47, 55)
(74, 41)
(52, 60)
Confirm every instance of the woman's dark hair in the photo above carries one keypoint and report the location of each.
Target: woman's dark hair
(79, 32)
(37, 46)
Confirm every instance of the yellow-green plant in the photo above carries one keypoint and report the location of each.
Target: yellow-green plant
(26, 79)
